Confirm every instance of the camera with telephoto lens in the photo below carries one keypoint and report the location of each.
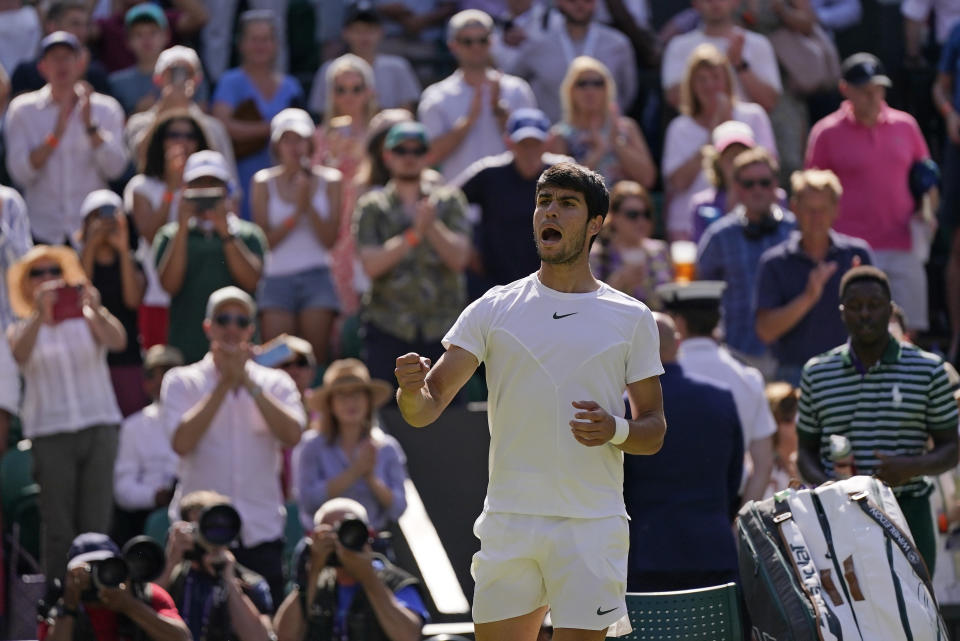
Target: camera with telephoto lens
(352, 533)
(218, 526)
(204, 198)
(141, 560)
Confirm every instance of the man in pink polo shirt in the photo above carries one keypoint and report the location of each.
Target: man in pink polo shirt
(871, 147)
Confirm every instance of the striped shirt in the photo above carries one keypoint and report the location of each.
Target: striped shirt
(890, 408)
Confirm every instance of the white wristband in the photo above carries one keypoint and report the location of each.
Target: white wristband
(623, 430)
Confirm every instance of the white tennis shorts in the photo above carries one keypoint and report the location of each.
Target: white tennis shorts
(576, 566)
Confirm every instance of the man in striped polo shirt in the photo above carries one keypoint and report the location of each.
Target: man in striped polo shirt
(888, 398)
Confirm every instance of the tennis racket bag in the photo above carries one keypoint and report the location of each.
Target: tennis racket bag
(836, 563)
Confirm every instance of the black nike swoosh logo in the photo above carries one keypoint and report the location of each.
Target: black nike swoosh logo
(562, 315)
(600, 612)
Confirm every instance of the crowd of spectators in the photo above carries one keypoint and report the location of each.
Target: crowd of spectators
(220, 224)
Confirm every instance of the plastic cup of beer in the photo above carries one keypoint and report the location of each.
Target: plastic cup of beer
(683, 253)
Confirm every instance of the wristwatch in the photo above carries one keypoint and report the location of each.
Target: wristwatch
(743, 66)
(64, 611)
(92, 129)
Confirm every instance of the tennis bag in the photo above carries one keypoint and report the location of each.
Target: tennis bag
(836, 563)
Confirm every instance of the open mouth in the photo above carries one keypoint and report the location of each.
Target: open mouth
(550, 235)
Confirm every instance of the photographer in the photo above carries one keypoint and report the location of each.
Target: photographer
(220, 599)
(207, 248)
(346, 591)
(95, 608)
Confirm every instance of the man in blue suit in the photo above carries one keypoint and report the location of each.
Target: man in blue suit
(682, 499)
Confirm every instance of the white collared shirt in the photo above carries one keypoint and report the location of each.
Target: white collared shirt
(703, 358)
(55, 192)
(145, 462)
(444, 103)
(66, 382)
(238, 455)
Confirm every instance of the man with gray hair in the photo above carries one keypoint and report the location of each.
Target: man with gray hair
(341, 584)
(228, 418)
(466, 113)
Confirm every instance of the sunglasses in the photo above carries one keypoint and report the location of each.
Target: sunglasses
(239, 320)
(409, 151)
(596, 83)
(299, 362)
(483, 41)
(633, 214)
(750, 183)
(356, 90)
(180, 135)
(40, 272)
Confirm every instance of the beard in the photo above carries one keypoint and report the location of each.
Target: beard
(576, 246)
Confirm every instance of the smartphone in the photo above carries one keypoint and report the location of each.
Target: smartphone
(275, 355)
(343, 125)
(67, 304)
(205, 199)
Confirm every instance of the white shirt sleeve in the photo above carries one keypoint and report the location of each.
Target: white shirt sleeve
(130, 492)
(643, 359)
(285, 391)
(674, 63)
(176, 400)
(471, 329)
(679, 145)
(431, 114)
(9, 380)
(761, 423)
(111, 155)
(759, 53)
(16, 132)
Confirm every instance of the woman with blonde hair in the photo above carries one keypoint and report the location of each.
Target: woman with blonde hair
(706, 100)
(340, 142)
(70, 411)
(592, 130)
(351, 456)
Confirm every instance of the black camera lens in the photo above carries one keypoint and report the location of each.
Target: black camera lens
(353, 534)
(145, 559)
(219, 525)
(109, 573)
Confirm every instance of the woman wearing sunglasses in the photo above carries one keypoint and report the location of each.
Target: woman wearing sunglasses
(592, 130)
(625, 256)
(69, 409)
(152, 198)
(298, 208)
(340, 142)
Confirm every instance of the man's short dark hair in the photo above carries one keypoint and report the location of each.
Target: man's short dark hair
(59, 8)
(700, 320)
(568, 175)
(863, 273)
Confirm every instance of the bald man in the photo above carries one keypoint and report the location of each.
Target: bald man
(681, 500)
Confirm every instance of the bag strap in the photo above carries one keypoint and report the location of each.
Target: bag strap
(895, 534)
(828, 626)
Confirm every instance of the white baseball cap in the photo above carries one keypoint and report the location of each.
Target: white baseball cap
(100, 198)
(291, 119)
(206, 163)
(230, 294)
(173, 55)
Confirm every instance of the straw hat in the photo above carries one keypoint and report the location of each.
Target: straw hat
(349, 374)
(19, 272)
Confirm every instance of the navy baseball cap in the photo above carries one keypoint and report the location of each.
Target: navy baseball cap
(91, 546)
(57, 39)
(362, 11)
(863, 68)
(527, 123)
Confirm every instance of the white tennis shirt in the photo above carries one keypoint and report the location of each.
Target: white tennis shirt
(543, 350)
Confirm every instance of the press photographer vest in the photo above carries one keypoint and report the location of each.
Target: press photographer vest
(361, 623)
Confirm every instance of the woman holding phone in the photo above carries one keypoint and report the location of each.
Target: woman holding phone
(69, 408)
(297, 207)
